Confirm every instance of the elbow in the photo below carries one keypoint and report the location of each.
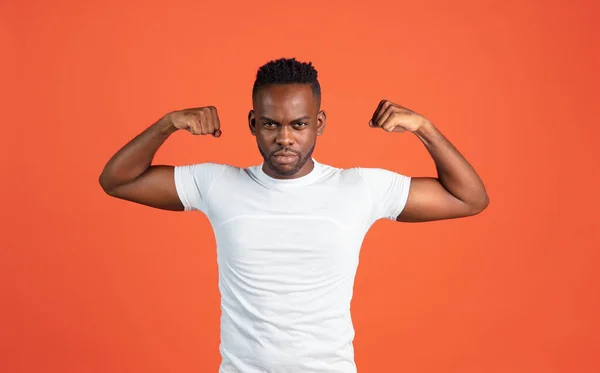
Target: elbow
(479, 206)
(106, 185)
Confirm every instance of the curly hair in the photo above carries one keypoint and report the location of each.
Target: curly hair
(288, 71)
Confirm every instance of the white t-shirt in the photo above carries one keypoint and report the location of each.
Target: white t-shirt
(287, 257)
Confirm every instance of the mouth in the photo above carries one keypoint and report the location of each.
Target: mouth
(285, 158)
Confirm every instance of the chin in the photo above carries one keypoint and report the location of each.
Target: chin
(285, 170)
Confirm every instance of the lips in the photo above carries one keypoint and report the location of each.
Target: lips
(284, 158)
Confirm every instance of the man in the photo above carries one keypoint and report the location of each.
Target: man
(289, 231)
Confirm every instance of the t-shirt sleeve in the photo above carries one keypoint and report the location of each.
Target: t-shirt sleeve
(193, 183)
(388, 191)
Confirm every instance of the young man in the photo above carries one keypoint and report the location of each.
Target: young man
(289, 231)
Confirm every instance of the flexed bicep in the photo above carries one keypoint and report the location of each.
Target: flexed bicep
(155, 187)
(428, 200)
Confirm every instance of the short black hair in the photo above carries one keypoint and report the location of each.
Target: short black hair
(288, 71)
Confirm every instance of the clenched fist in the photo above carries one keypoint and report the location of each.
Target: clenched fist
(395, 118)
(198, 121)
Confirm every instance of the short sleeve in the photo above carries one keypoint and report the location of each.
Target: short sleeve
(388, 191)
(193, 183)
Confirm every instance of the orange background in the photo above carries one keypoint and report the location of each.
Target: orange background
(93, 284)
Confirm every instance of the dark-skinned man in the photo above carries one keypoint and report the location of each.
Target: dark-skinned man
(289, 230)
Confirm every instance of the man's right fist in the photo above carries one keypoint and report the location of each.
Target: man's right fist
(198, 121)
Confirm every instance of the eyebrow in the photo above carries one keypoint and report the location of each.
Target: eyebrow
(267, 119)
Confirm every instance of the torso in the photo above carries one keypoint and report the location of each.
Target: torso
(288, 254)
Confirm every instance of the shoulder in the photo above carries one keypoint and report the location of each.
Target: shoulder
(207, 168)
(377, 173)
(343, 175)
(204, 173)
(372, 177)
(358, 173)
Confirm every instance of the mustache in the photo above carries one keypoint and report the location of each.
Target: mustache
(285, 151)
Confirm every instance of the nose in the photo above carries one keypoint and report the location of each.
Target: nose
(285, 136)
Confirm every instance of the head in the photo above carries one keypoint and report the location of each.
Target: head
(286, 117)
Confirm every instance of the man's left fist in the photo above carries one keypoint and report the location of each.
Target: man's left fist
(395, 118)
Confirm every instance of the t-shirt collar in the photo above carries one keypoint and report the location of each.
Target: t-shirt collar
(309, 178)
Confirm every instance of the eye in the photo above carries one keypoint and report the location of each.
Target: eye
(270, 125)
(301, 124)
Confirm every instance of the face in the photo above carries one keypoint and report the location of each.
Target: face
(286, 121)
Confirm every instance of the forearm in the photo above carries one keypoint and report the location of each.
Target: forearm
(136, 156)
(455, 173)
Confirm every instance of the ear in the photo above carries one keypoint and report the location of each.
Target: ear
(321, 122)
(252, 122)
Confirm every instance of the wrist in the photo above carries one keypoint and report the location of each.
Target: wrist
(165, 125)
(426, 132)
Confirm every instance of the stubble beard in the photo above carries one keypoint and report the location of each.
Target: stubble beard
(286, 173)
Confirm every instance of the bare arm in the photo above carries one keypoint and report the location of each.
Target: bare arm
(130, 175)
(456, 192)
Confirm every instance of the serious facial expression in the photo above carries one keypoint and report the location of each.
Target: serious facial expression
(286, 121)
